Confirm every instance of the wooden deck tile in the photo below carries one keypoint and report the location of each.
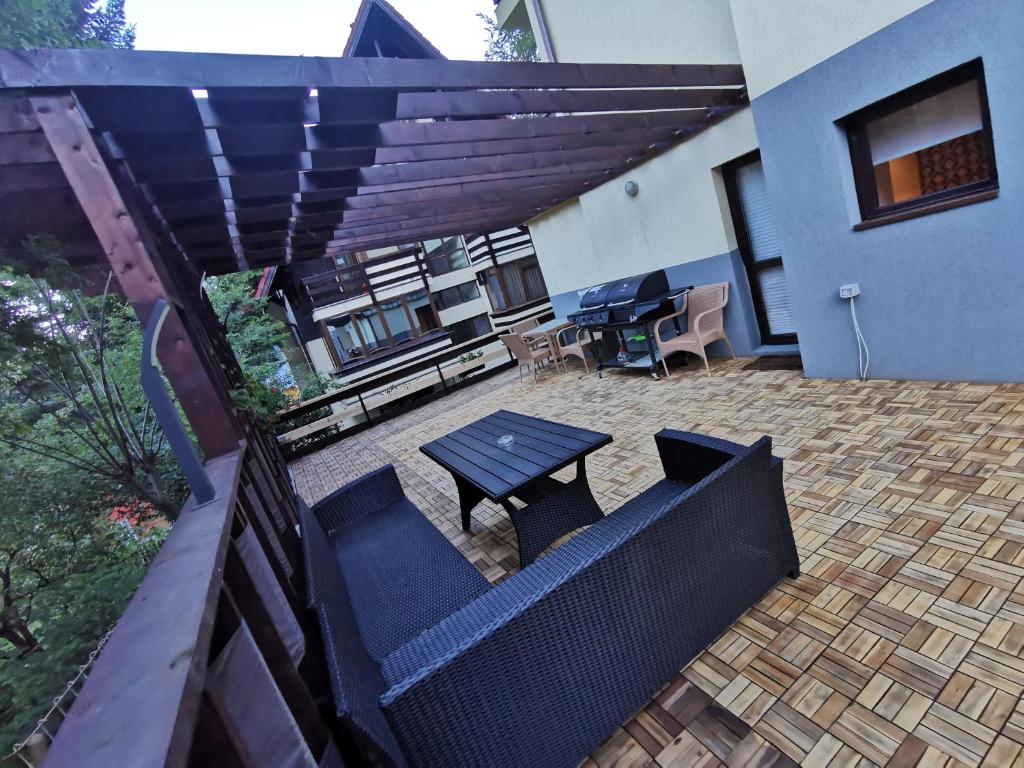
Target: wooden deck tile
(903, 640)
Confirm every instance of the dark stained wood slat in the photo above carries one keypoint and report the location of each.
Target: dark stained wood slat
(494, 465)
(552, 427)
(481, 464)
(262, 147)
(523, 460)
(489, 482)
(628, 137)
(488, 431)
(51, 68)
(520, 430)
(475, 103)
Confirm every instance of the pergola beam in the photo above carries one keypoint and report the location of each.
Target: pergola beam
(74, 68)
(254, 160)
(526, 102)
(136, 268)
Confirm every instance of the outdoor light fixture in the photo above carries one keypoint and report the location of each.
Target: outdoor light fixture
(632, 188)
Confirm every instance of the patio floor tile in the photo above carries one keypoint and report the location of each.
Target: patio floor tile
(902, 642)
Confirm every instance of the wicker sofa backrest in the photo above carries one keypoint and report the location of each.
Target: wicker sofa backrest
(356, 682)
(560, 654)
(321, 567)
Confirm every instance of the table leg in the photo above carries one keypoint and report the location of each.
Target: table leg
(469, 497)
(539, 524)
(556, 352)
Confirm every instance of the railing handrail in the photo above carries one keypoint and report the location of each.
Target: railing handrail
(372, 382)
(362, 265)
(150, 674)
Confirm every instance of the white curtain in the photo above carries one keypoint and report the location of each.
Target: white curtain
(944, 116)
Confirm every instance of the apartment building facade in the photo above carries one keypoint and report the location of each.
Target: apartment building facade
(880, 152)
(357, 315)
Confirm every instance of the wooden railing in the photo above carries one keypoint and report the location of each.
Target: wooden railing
(489, 247)
(310, 425)
(365, 278)
(213, 662)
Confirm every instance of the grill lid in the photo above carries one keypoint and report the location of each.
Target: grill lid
(649, 286)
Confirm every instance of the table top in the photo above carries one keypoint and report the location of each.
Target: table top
(550, 325)
(540, 448)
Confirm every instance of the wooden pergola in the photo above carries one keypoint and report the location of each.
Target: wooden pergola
(163, 167)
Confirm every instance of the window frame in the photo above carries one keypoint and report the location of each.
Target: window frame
(753, 267)
(873, 214)
(441, 300)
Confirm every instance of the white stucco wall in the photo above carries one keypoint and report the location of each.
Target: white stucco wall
(644, 32)
(319, 355)
(782, 38)
(680, 214)
(465, 310)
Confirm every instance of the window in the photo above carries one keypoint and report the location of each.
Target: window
(444, 256)
(470, 328)
(518, 282)
(457, 294)
(926, 148)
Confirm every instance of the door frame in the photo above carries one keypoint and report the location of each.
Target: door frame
(739, 225)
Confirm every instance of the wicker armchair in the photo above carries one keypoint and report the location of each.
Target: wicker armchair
(527, 356)
(706, 323)
(524, 325)
(579, 347)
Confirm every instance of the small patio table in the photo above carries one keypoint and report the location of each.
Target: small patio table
(487, 465)
(550, 331)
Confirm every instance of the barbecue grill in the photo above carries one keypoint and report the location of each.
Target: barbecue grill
(623, 312)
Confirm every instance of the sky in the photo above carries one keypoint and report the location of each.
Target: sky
(296, 27)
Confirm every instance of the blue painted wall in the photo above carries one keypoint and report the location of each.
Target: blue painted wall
(740, 322)
(942, 295)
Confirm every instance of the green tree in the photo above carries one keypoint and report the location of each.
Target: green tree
(66, 573)
(69, 389)
(508, 44)
(64, 24)
(255, 337)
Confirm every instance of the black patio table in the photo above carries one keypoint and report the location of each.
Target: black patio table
(485, 468)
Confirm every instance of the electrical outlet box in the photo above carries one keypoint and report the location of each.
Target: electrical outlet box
(849, 290)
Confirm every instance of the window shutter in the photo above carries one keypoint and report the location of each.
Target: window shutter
(764, 243)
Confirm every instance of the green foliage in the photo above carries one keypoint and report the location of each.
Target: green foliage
(256, 338)
(66, 573)
(69, 388)
(508, 44)
(64, 24)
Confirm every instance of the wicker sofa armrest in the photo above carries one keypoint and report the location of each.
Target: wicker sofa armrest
(687, 457)
(543, 667)
(363, 496)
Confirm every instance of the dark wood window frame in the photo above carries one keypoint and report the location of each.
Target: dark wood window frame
(739, 224)
(872, 214)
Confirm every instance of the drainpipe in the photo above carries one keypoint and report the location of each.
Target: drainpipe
(542, 30)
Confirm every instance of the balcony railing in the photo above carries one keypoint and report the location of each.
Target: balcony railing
(366, 278)
(212, 662)
(490, 247)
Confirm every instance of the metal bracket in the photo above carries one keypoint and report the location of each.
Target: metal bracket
(166, 413)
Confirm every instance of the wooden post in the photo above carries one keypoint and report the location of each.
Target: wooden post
(135, 263)
(384, 324)
(497, 270)
(359, 333)
(414, 328)
(332, 352)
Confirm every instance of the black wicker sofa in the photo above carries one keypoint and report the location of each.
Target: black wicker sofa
(431, 666)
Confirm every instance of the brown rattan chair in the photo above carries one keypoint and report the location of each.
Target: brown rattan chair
(705, 324)
(525, 355)
(579, 348)
(524, 325)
